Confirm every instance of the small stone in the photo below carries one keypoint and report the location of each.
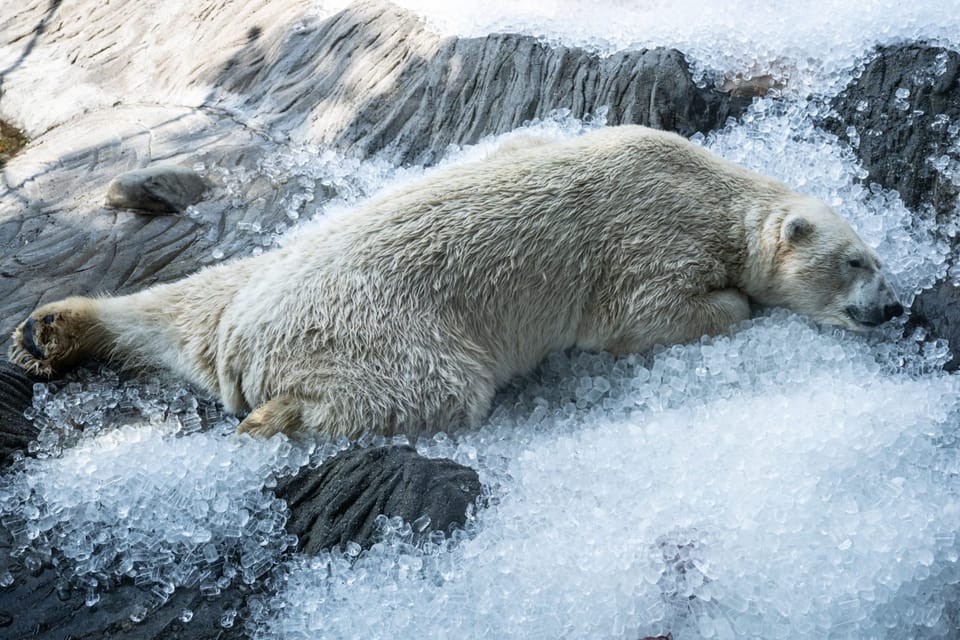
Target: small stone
(168, 188)
(337, 504)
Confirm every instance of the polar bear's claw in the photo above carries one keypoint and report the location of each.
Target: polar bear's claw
(51, 339)
(35, 345)
(28, 341)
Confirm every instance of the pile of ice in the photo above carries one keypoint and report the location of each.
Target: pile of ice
(783, 482)
(125, 485)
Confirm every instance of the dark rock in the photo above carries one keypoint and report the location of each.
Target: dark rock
(16, 393)
(432, 92)
(160, 189)
(38, 606)
(339, 502)
(898, 135)
(938, 311)
(483, 86)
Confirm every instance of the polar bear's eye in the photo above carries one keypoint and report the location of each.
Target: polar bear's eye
(856, 263)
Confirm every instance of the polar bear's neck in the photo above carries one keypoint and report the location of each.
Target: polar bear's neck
(762, 220)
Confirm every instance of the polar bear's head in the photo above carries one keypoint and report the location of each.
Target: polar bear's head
(818, 266)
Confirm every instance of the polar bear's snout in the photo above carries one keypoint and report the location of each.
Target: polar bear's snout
(874, 303)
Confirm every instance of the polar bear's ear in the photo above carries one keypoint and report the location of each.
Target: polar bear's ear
(795, 228)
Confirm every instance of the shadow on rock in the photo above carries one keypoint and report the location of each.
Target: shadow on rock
(372, 79)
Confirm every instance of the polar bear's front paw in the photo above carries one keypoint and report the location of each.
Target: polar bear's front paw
(282, 414)
(51, 339)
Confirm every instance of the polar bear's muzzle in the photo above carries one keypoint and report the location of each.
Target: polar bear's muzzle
(874, 303)
(875, 316)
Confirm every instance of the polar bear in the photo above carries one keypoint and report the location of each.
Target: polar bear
(407, 315)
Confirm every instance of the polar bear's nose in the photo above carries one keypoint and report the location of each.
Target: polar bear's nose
(892, 311)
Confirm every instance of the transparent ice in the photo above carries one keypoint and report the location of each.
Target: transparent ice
(125, 485)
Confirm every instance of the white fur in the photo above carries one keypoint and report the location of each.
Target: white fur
(406, 315)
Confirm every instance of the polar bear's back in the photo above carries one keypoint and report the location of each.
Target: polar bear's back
(539, 247)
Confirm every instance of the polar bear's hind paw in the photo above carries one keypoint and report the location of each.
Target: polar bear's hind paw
(51, 339)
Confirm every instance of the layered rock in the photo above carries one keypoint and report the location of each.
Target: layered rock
(904, 111)
(902, 116)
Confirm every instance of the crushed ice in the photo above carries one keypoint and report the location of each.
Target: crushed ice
(125, 485)
(783, 482)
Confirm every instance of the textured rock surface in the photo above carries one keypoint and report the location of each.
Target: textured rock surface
(441, 91)
(166, 188)
(340, 501)
(938, 310)
(36, 607)
(902, 108)
(16, 390)
(57, 238)
(905, 112)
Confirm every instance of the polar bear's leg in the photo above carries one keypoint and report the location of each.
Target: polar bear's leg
(719, 310)
(708, 314)
(282, 414)
(351, 405)
(58, 335)
(290, 415)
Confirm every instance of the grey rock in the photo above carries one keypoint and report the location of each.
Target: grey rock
(40, 605)
(57, 241)
(938, 311)
(167, 188)
(444, 91)
(897, 136)
(16, 393)
(339, 502)
(37, 605)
